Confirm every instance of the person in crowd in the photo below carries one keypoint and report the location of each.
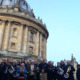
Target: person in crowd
(10, 71)
(48, 73)
(4, 69)
(78, 72)
(62, 69)
(15, 67)
(22, 72)
(43, 70)
(58, 71)
(37, 70)
(32, 70)
(28, 69)
(52, 71)
(69, 69)
(23, 61)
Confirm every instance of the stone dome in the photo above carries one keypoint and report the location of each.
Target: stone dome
(20, 3)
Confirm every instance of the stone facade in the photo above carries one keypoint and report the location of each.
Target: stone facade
(21, 34)
(74, 63)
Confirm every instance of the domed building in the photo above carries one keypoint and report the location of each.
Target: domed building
(21, 34)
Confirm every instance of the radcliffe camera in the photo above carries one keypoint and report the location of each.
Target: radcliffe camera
(39, 40)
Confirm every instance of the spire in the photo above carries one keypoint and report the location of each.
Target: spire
(72, 56)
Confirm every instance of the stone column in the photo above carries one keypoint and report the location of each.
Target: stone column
(2, 32)
(20, 39)
(25, 40)
(37, 43)
(28, 39)
(7, 35)
(45, 48)
(40, 44)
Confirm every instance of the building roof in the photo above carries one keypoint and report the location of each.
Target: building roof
(21, 3)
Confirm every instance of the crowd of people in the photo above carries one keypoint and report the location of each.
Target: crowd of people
(35, 70)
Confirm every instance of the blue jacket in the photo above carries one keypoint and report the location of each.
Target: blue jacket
(24, 72)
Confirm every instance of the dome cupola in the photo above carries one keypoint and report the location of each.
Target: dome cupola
(19, 3)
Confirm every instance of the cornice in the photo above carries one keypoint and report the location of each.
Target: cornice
(26, 17)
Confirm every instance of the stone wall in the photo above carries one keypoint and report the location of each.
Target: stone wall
(16, 37)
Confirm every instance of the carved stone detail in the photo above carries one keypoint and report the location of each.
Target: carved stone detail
(32, 29)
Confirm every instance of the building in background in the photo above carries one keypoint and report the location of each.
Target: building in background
(21, 34)
(74, 63)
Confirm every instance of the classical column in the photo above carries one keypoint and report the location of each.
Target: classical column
(40, 44)
(37, 43)
(8, 35)
(45, 48)
(1, 36)
(25, 40)
(28, 39)
(20, 39)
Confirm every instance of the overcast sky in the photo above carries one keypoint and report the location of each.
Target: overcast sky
(62, 18)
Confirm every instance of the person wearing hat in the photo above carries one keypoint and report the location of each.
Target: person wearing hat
(32, 70)
(23, 61)
(15, 67)
(78, 72)
(69, 69)
(22, 72)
